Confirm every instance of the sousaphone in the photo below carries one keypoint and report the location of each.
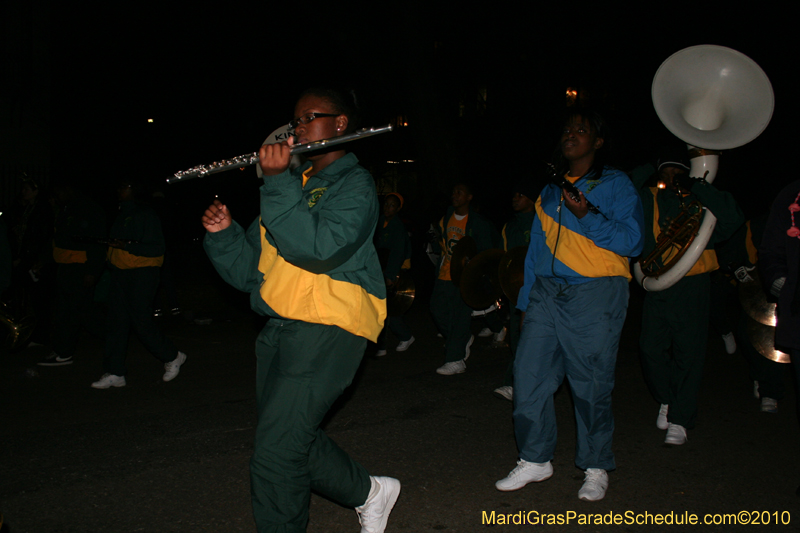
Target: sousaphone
(712, 98)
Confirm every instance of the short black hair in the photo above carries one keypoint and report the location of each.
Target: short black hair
(600, 129)
(343, 102)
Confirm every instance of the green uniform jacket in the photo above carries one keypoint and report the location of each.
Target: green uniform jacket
(518, 230)
(78, 227)
(310, 254)
(138, 223)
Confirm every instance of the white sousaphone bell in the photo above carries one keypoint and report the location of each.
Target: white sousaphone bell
(712, 98)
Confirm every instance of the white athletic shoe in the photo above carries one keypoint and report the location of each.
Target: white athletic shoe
(661, 421)
(403, 346)
(374, 514)
(451, 368)
(485, 332)
(676, 435)
(109, 380)
(594, 485)
(500, 336)
(174, 367)
(523, 474)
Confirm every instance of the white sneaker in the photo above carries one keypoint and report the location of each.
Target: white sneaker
(403, 346)
(374, 514)
(485, 332)
(661, 421)
(769, 405)
(500, 336)
(756, 394)
(381, 353)
(730, 342)
(523, 474)
(109, 380)
(466, 350)
(453, 367)
(594, 486)
(506, 391)
(173, 367)
(676, 435)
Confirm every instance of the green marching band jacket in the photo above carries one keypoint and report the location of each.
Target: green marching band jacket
(310, 255)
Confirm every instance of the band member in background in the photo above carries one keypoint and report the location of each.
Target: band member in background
(517, 232)
(80, 226)
(738, 257)
(675, 320)
(575, 300)
(452, 315)
(309, 264)
(394, 250)
(779, 264)
(135, 255)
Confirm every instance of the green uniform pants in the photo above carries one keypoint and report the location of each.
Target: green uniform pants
(73, 309)
(302, 370)
(673, 345)
(453, 317)
(130, 306)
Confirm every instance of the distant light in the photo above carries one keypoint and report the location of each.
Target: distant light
(150, 120)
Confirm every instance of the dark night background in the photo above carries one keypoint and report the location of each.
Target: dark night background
(481, 90)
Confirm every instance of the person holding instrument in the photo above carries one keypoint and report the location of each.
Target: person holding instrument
(309, 264)
(575, 299)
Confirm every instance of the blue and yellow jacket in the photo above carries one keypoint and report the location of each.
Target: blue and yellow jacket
(574, 251)
(310, 256)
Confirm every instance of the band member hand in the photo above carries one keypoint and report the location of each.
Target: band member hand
(579, 209)
(275, 158)
(217, 217)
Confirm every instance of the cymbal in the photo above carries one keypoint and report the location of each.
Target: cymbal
(754, 301)
(400, 298)
(512, 272)
(763, 339)
(480, 282)
(464, 250)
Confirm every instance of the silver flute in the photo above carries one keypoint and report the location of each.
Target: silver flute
(246, 160)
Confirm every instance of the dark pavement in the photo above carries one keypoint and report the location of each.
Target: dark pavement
(173, 457)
